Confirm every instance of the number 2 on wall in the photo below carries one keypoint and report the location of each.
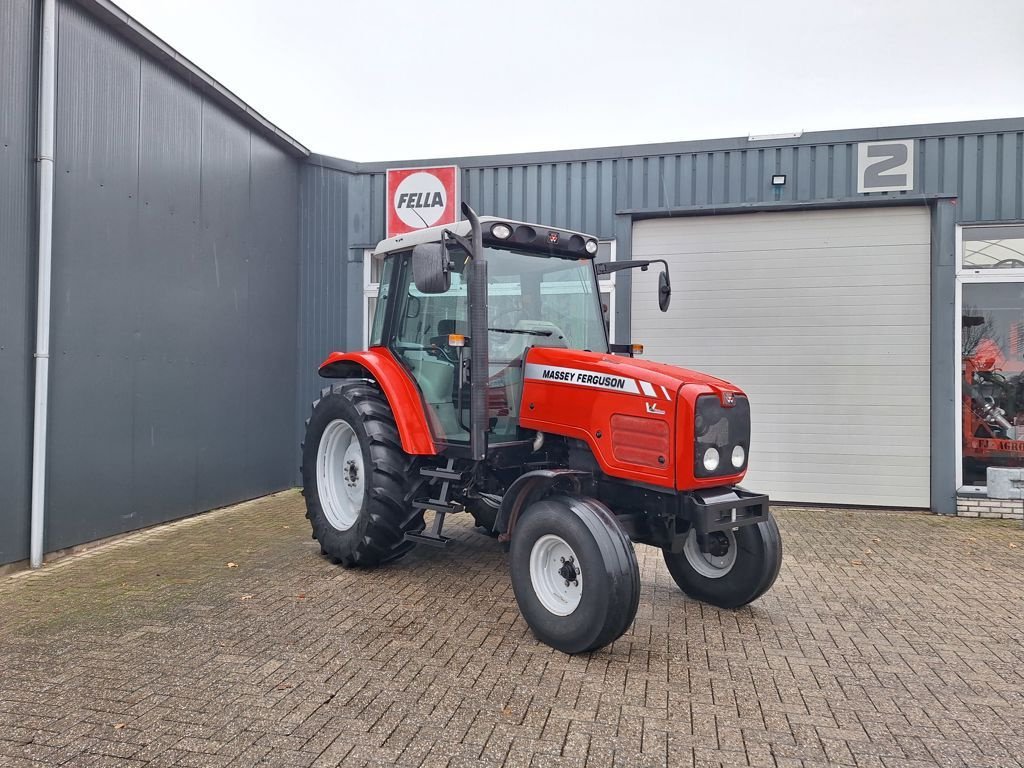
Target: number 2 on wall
(885, 166)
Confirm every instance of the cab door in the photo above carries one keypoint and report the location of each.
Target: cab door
(421, 324)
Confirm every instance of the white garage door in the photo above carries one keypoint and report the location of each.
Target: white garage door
(822, 317)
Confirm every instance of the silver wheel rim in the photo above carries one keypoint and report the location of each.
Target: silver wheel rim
(552, 560)
(339, 475)
(707, 565)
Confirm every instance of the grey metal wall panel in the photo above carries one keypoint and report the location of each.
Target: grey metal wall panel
(945, 356)
(95, 306)
(168, 230)
(17, 253)
(327, 296)
(221, 356)
(175, 297)
(273, 319)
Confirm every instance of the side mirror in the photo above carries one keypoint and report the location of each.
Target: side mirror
(431, 268)
(664, 291)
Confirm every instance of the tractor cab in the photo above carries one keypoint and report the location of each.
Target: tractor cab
(540, 291)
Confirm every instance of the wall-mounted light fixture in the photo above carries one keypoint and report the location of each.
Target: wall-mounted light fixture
(778, 179)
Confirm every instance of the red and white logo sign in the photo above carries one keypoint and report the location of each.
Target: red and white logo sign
(418, 198)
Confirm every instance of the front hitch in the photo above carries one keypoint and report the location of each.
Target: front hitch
(718, 509)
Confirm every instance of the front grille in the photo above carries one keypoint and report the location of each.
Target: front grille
(723, 428)
(640, 441)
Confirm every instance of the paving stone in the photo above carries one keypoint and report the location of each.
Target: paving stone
(891, 640)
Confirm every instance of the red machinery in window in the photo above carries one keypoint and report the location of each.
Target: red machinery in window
(991, 433)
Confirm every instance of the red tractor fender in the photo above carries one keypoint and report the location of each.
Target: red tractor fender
(402, 395)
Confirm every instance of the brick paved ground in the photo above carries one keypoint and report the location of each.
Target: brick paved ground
(889, 640)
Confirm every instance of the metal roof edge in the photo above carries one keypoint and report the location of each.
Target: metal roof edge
(128, 27)
(882, 133)
(335, 163)
(867, 200)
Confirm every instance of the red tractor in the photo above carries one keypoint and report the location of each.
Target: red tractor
(489, 387)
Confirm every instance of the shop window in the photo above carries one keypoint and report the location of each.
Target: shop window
(992, 353)
(991, 299)
(993, 247)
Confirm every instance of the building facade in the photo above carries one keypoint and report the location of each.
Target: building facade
(866, 287)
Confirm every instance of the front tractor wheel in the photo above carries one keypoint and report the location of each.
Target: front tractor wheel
(356, 479)
(574, 573)
(737, 568)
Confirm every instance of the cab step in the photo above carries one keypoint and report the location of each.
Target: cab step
(431, 536)
(441, 505)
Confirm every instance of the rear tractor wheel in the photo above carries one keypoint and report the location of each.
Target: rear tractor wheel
(356, 479)
(738, 567)
(574, 573)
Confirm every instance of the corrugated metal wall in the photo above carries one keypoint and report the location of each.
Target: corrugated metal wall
(335, 227)
(17, 258)
(175, 297)
(587, 188)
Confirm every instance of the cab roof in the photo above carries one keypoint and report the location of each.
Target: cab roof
(433, 234)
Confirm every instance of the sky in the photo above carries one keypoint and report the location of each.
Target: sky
(398, 79)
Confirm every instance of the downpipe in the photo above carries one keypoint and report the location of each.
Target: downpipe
(47, 121)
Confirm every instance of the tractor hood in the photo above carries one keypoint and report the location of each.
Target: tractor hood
(626, 374)
(638, 417)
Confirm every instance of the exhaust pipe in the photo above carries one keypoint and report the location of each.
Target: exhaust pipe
(479, 362)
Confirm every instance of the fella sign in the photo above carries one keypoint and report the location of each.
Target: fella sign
(418, 198)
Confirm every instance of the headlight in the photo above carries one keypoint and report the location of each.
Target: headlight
(738, 456)
(501, 231)
(591, 247)
(721, 436)
(711, 459)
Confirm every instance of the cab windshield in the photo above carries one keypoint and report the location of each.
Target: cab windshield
(532, 301)
(541, 301)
